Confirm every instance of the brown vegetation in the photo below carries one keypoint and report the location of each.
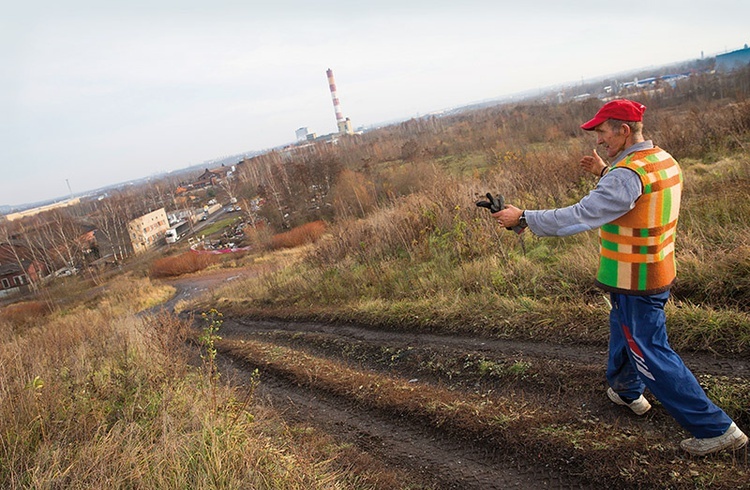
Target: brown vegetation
(183, 263)
(97, 398)
(301, 235)
(26, 313)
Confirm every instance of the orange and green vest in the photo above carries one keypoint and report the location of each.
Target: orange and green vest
(636, 254)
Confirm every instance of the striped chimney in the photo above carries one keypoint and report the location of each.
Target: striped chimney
(336, 104)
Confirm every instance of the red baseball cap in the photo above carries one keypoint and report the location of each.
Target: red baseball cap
(622, 109)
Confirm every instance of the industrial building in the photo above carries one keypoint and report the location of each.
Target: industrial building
(303, 134)
(733, 60)
(41, 209)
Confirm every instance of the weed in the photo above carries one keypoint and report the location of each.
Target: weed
(208, 338)
(731, 394)
(519, 368)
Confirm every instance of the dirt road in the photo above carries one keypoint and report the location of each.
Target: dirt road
(563, 380)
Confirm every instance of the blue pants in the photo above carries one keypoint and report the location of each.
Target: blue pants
(640, 357)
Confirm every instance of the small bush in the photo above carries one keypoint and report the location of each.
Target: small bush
(259, 236)
(302, 235)
(181, 264)
(26, 313)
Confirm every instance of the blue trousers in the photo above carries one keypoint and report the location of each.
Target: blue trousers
(640, 357)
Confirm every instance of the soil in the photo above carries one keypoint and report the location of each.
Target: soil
(563, 377)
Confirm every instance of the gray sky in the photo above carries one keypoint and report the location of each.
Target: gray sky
(100, 92)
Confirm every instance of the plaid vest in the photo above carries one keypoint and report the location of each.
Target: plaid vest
(636, 254)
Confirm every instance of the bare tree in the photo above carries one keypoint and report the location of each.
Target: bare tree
(111, 219)
(60, 234)
(6, 237)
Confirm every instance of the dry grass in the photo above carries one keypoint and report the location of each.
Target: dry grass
(97, 398)
(129, 293)
(25, 314)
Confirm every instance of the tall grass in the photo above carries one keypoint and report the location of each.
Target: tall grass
(25, 313)
(96, 397)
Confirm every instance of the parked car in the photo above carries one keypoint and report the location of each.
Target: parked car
(66, 271)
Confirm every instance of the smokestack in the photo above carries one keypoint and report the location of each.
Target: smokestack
(336, 104)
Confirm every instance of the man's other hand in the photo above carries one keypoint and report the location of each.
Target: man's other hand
(593, 163)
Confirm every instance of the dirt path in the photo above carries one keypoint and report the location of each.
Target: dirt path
(582, 354)
(192, 286)
(569, 377)
(433, 459)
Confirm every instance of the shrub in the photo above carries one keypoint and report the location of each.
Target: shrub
(301, 235)
(181, 264)
(25, 313)
(258, 236)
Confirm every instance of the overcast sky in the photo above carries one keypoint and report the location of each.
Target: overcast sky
(100, 92)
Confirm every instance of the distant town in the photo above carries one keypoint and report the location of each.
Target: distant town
(600, 88)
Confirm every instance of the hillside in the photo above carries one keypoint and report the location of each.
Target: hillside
(413, 343)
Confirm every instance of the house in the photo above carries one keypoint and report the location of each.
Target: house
(213, 177)
(148, 230)
(12, 278)
(208, 178)
(17, 268)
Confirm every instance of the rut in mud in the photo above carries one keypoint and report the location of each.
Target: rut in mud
(436, 458)
(434, 405)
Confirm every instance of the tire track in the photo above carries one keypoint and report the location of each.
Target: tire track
(699, 362)
(432, 456)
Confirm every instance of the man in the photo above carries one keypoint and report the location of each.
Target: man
(635, 206)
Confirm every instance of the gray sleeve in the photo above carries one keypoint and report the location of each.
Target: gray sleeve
(614, 195)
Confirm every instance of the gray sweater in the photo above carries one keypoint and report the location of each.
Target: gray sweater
(613, 196)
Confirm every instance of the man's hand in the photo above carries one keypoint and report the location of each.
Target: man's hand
(508, 217)
(497, 205)
(593, 164)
